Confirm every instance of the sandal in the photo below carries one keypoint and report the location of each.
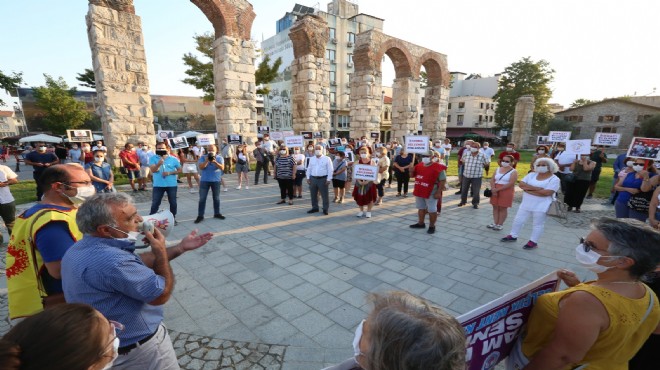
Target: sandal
(290, 202)
(281, 202)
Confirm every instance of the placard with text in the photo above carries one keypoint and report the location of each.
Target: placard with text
(559, 136)
(365, 172)
(294, 141)
(417, 144)
(607, 139)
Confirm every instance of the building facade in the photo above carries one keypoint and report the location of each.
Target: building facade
(11, 124)
(471, 106)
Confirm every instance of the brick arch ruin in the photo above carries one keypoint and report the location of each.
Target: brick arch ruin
(122, 83)
(408, 59)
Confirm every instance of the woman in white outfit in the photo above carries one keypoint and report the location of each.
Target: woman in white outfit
(540, 188)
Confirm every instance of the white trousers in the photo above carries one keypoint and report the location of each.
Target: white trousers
(538, 222)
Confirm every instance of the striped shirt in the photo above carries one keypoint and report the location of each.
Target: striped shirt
(284, 167)
(105, 274)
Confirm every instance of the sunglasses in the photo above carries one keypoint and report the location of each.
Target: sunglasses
(506, 162)
(587, 245)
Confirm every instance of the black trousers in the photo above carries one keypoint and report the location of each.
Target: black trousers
(286, 188)
(402, 179)
(261, 166)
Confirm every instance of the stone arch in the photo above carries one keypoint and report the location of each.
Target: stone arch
(399, 55)
(436, 69)
(229, 18)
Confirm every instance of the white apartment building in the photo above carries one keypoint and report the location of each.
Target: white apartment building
(344, 22)
(11, 124)
(471, 106)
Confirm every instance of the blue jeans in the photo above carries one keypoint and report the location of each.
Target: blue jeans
(157, 197)
(204, 187)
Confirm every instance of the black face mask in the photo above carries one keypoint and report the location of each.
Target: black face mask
(161, 152)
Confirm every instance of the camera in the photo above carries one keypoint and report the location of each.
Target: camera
(211, 157)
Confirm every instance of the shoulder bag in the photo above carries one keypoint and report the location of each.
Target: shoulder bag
(640, 202)
(557, 209)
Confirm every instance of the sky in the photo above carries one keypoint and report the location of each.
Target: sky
(598, 48)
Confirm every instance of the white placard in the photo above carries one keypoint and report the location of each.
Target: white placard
(206, 139)
(80, 136)
(288, 133)
(294, 141)
(559, 136)
(607, 138)
(417, 144)
(577, 147)
(277, 135)
(542, 140)
(178, 142)
(365, 172)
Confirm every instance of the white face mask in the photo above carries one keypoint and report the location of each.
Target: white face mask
(474, 150)
(541, 169)
(297, 151)
(364, 155)
(357, 338)
(98, 159)
(115, 348)
(638, 167)
(131, 236)
(589, 260)
(318, 153)
(426, 160)
(42, 148)
(509, 149)
(310, 149)
(506, 164)
(282, 152)
(82, 193)
(541, 151)
(630, 163)
(74, 147)
(468, 146)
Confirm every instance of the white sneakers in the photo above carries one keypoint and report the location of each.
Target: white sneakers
(360, 214)
(225, 189)
(238, 187)
(365, 214)
(247, 187)
(368, 215)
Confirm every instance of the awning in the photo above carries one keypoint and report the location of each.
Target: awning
(41, 137)
(456, 132)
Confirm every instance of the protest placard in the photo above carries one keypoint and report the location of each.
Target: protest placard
(607, 138)
(365, 172)
(417, 144)
(334, 143)
(559, 136)
(234, 139)
(374, 135)
(164, 135)
(318, 135)
(178, 142)
(288, 133)
(307, 135)
(277, 135)
(644, 147)
(205, 139)
(294, 141)
(543, 140)
(263, 130)
(80, 136)
(578, 147)
(493, 328)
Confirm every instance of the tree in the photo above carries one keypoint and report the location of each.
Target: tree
(87, 78)
(10, 83)
(525, 77)
(580, 102)
(266, 74)
(61, 110)
(558, 124)
(650, 127)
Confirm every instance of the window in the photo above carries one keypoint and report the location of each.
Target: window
(481, 106)
(461, 105)
(491, 118)
(608, 118)
(608, 129)
(344, 121)
(333, 76)
(573, 118)
(449, 106)
(387, 113)
(351, 37)
(333, 33)
(641, 118)
(333, 98)
(448, 118)
(330, 54)
(459, 120)
(481, 118)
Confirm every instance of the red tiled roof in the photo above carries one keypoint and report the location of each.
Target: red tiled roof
(6, 113)
(387, 99)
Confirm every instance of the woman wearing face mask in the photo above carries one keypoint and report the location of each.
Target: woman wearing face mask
(285, 173)
(502, 185)
(300, 172)
(598, 324)
(339, 177)
(383, 175)
(365, 192)
(576, 190)
(66, 337)
(407, 333)
(189, 167)
(86, 157)
(539, 189)
(541, 152)
(242, 166)
(628, 186)
(101, 173)
(403, 164)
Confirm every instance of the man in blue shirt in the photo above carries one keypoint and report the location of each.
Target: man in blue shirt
(165, 169)
(211, 167)
(40, 160)
(103, 271)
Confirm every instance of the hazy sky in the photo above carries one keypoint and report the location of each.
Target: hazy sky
(598, 48)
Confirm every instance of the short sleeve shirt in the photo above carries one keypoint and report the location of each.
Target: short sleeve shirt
(211, 173)
(5, 194)
(171, 164)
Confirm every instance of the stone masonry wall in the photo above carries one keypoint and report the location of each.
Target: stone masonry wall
(309, 93)
(522, 121)
(404, 107)
(120, 69)
(366, 103)
(436, 100)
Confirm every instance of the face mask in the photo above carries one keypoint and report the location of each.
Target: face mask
(357, 338)
(98, 159)
(85, 149)
(467, 146)
(474, 150)
(426, 160)
(131, 236)
(589, 260)
(310, 149)
(364, 155)
(541, 169)
(74, 147)
(282, 152)
(630, 163)
(296, 151)
(541, 151)
(506, 164)
(115, 348)
(638, 167)
(161, 152)
(317, 153)
(82, 193)
(144, 149)
(509, 149)
(42, 148)
(485, 146)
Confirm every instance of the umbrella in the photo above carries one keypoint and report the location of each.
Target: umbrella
(41, 137)
(471, 135)
(190, 134)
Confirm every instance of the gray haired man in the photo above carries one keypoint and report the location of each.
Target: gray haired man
(319, 175)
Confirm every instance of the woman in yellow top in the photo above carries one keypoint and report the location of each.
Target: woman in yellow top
(599, 324)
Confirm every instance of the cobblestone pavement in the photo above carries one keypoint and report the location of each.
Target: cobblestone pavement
(280, 288)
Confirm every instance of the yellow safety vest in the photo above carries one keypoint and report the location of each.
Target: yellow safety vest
(25, 289)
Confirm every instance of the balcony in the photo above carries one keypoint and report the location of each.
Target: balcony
(349, 44)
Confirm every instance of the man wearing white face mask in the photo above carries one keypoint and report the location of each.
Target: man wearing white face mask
(103, 271)
(430, 177)
(473, 171)
(319, 174)
(40, 160)
(41, 236)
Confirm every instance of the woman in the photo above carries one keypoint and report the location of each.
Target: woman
(654, 209)
(502, 185)
(101, 173)
(300, 172)
(539, 189)
(86, 157)
(285, 173)
(242, 166)
(66, 337)
(403, 163)
(576, 190)
(598, 324)
(407, 333)
(383, 165)
(189, 167)
(541, 152)
(339, 177)
(350, 159)
(74, 154)
(364, 191)
(628, 186)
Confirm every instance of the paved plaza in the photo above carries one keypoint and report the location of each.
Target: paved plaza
(278, 288)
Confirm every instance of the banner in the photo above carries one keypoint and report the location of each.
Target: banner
(234, 139)
(294, 141)
(606, 138)
(178, 142)
(277, 135)
(80, 136)
(417, 144)
(559, 136)
(543, 140)
(578, 147)
(206, 139)
(644, 147)
(493, 328)
(365, 172)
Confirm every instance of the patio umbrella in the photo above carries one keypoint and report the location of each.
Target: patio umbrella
(41, 137)
(190, 134)
(471, 135)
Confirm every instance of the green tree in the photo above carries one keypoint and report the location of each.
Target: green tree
(580, 102)
(9, 83)
(265, 74)
(525, 77)
(61, 110)
(650, 127)
(87, 78)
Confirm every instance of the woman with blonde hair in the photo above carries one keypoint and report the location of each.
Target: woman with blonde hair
(502, 186)
(364, 191)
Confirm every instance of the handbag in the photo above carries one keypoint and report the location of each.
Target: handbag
(570, 178)
(122, 170)
(640, 202)
(556, 209)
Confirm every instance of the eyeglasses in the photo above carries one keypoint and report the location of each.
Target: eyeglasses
(588, 246)
(68, 183)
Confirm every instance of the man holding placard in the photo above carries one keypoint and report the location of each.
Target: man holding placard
(430, 177)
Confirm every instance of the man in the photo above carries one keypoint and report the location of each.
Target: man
(511, 150)
(597, 155)
(130, 161)
(564, 162)
(261, 157)
(227, 154)
(319, 175)
(211, 167)
(269, 148)
(447, 147)
(99, 146)
(488, 153)
(7, 204)
(430, 177)
(103, 271)
(461, 153)
(144, 154)
(165, 169)
(40, 237)
(474, 163)
(40, 160)
(198, 151)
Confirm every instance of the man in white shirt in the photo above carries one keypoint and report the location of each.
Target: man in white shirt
(319, 174)
(269, 147)
(198, 150)
(489, 153)
(564, 162)
(7, 204)
(99, 146)
(447, 147)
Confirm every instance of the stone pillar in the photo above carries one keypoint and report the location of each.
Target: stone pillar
(310, 84)
(436, 101)
(235, 89)
(366, 102)
(120, 71)
(405, 117)
(522, 121)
